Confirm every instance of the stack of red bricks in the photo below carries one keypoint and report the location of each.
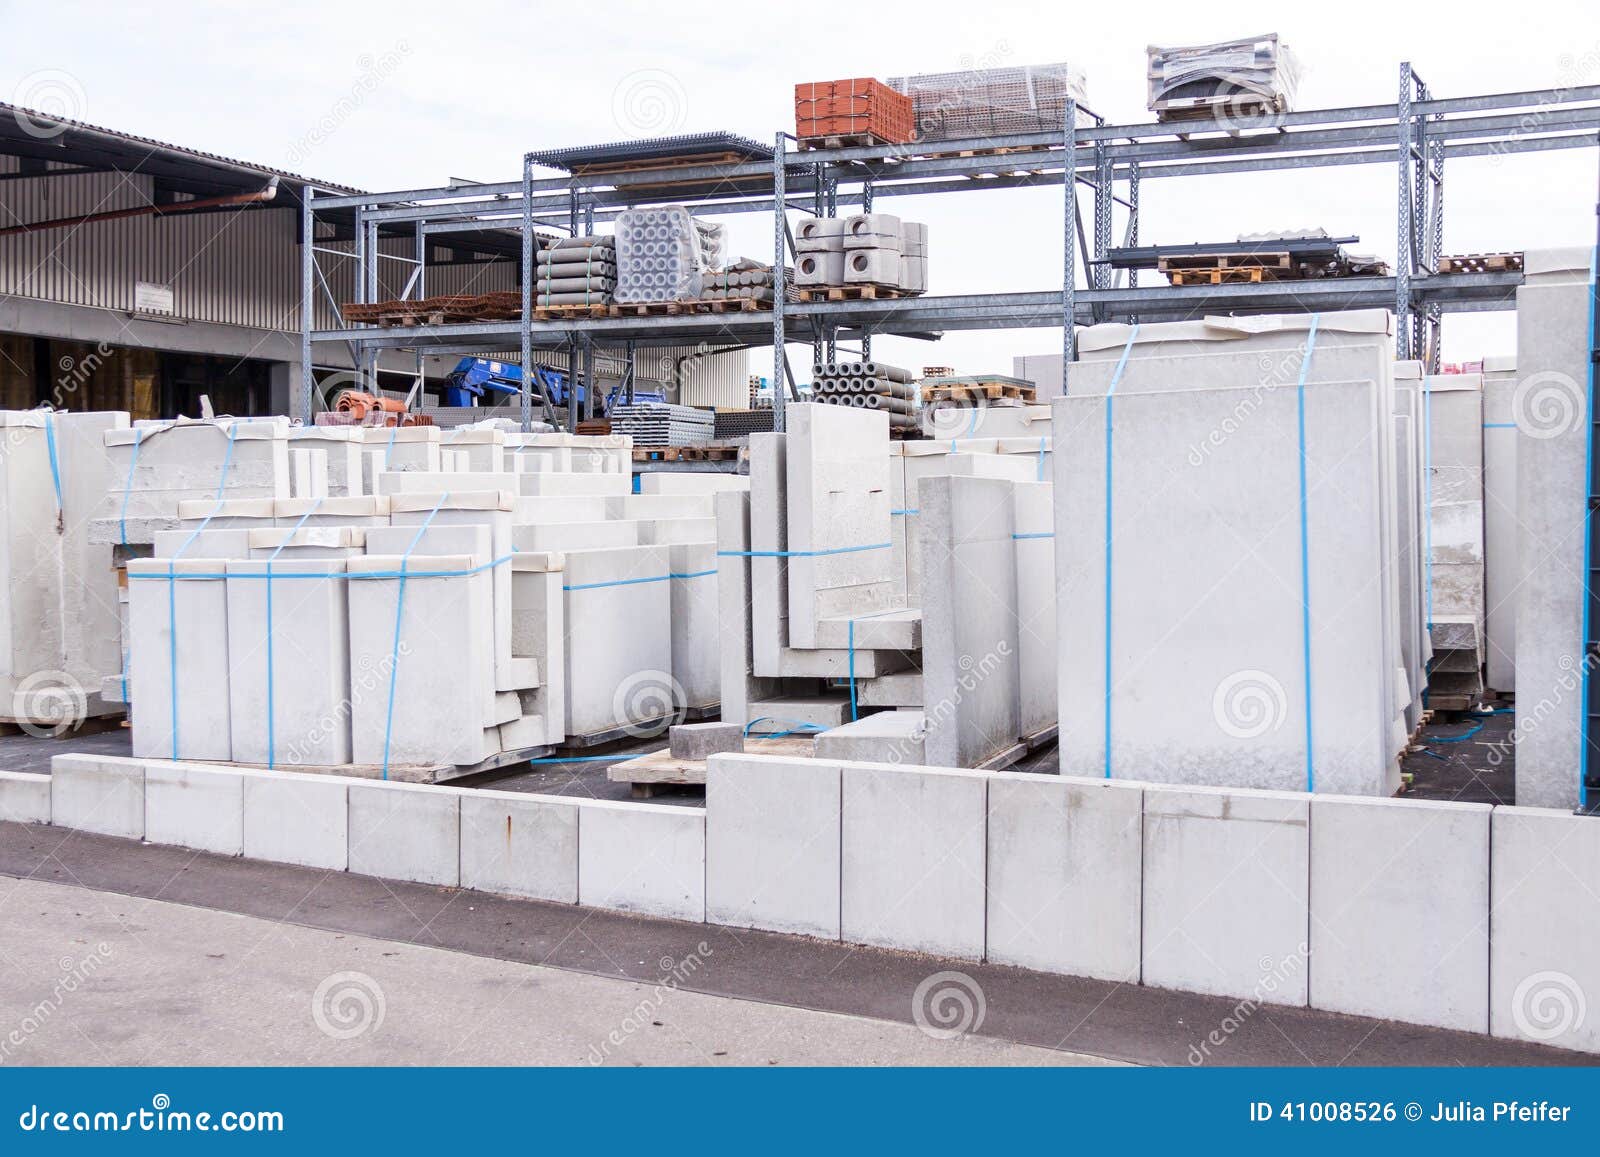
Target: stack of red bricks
(851, 108)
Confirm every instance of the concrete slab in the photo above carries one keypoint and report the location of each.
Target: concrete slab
(703, 740)
(194, 807)
(897, 737)
(1065, 875)
(291, 818)
(1225, 898)
(24, 797)
(1545, 928)
(89, 794)
(647, 858)
(1400, 910)
(520, 845)
(912, 866)
(772, 844)
(403, 831)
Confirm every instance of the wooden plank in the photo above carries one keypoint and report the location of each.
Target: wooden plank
(662, 767)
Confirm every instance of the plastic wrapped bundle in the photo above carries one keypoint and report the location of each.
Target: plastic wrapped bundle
(663, 254)
(989, 102)
(1258, 69)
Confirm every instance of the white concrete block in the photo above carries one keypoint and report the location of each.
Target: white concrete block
(90, 794)
(520, 845)
(178, 658)
(897, 737)
(648, 858)
(194, 807)
(772, 844)
(1400, 910)
(291, 818)
(1545, 928)
(1065, 875)
(1225, 900)
(913, 859)
(404, 831)
(24, 797)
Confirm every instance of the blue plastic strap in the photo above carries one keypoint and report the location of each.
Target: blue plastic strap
(798, 726)
(127, 489)
(55, 461)
(801, 553)
(222, 482)
(850, 643)
(272, 746)
(388, 450)
(629, 582)
(1305, 546)
(1462, 738)
(1035, 534)
(1040, 476)
(399, 615)
(1111, 390)
(1499, 425)
(365, 576)
(907, 510)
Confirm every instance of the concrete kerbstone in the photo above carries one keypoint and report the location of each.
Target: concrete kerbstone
(90, 794)
(648, 858)
(518, 844)
(404, 831)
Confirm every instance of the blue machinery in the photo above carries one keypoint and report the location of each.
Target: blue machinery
(474, 377)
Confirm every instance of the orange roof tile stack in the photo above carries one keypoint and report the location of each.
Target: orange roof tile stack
(857, 107)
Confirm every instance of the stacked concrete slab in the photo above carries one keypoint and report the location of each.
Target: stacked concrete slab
(1411, 487)
(59, 612)
(1550, 407)
(1453, 406)
(1502, 579)
(1215, 626)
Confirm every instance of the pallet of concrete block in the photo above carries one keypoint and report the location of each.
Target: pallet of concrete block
(575, 272)
(59, 615)
(868, 255)
(156, 465)
(1228, 607)
(664, 253)
(868, 386)
(564, 453)
(1454, 539)
(1233, 78)
(978, 104)
(981, 417)
(663, 424)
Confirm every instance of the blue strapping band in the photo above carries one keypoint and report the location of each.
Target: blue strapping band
(272, 747)
(217, 576)
(1305, 546)
(399, 614)
(850, 643)
(1035, 534)
(127, 490)
(55, 461)
(907, 510)
(799, 726)
(1588, 527)
(801, 553)
(629, 582)
(388, 450)
(1499, 425)
(1462, 738)
(1111, 390)
(1040, 475)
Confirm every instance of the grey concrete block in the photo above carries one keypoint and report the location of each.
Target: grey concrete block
(90, 794)
(646, 858)
(703, 740)
(520, 845)
(403, 831)
(24, 797)
(297, 819)
(194, 807)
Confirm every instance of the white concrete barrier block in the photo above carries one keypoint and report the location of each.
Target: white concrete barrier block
(297, 819)
(98, 795)
(772, 844)
(648, 858)
(520, 845)
(1065, 875)
(1225, 902)
(1544, 963)
(406, 831)
(194, 807)
(1400, 910)
(912, 866)
(24, 797)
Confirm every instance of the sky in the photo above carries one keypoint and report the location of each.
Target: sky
(432, 92)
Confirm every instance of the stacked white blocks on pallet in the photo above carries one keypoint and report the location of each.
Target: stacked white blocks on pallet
(1191, 462)
(1551, 409)
(59, 607)
(876, 249)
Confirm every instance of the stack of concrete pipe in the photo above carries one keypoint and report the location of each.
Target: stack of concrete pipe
(664, 253)
(577, 271)
(868, 386)
(743, 279)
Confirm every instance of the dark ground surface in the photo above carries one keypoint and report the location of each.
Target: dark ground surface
(1449, 761)
(1120, 1021)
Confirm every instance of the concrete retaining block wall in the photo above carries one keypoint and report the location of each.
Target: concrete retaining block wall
(297, 819)
(520, 845)
(1400, 907)
(194, 807)
(648, 858)
(24, 798)
(406, 831)
(98, 795)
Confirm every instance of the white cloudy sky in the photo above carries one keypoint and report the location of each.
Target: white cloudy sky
(440, 96)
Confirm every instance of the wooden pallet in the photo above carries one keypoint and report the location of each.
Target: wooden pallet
(991, 390)
(648, 772)
(1482, 263)
(863, 292)
(1236, 275)
(733, 305)
(1236, 114)
(685, 453)
(1206, 262)
(566, 312)
(94, 725)
(847, 141)
(657, 164)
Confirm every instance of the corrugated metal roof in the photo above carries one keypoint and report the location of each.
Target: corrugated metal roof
(653, 148)
(23, 130)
